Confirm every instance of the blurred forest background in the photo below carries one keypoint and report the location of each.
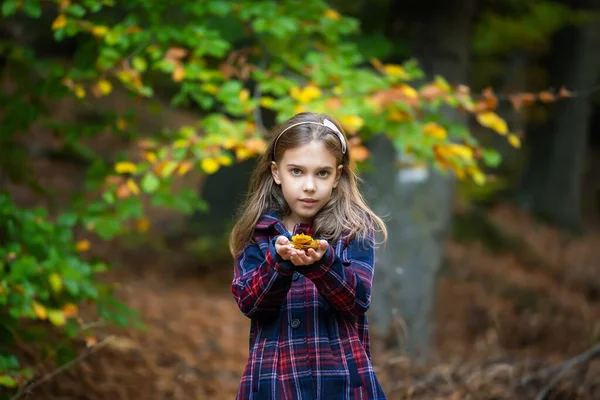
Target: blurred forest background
(128, 130)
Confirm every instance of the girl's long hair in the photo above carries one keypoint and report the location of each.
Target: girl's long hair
(346, 214)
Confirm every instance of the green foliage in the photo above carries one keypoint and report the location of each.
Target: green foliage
(44, 279)
(525, 25)
(228, 61)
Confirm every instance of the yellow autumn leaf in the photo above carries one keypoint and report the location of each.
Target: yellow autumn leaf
(461, 151)
(40, 311)
(83, 245)
(99, 30)
(435, 130)
(55, 282)
(125, 167)
(79, 91)
(142, 225)
(230, 143)
(242, 154)
(184, 167)
(491, 120)
(224, 160)
(395, 70)
(59, 23)
(299, 108)
(442, 84)
(352, 123)
(210, 165)
(306, 94)
(409, 91)
(57, 317)
(266, 102)
(133, 187)
(104, 86)
(121, 124)
(478, 176)
(181, 143)
(244, 95)
(150, 156)
(332, 14)
(69, 310)
(514, 141)
(178, 73)
(399, 116)
(210, 88)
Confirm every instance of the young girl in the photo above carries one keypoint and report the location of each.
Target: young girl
(309, 337)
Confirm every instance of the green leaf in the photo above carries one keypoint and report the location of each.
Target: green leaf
(56, 317)
(139, 64)
(491, 157)
(67, 219)
(55, 282)
(9, 7)
(219, 7)
(150, 183)
(33, 8)
(76, 10)
(7, 381)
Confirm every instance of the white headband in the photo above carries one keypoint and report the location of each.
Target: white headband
(326, 123)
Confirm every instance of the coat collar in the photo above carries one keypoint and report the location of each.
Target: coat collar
(271, 220)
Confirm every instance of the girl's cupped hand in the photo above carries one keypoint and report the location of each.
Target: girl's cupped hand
(299, 257)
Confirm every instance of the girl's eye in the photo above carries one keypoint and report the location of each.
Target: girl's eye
(295, 171)
(323, 174)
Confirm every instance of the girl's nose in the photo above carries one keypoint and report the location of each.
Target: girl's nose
(309, 185)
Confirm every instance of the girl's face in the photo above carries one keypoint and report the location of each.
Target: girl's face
(307, 175)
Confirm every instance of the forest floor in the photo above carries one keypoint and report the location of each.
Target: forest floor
(502, 316)
(515, 299)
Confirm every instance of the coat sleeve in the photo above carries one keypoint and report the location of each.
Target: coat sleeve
(345, 283)
(261, 280)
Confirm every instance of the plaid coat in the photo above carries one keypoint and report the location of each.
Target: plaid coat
(309, 336)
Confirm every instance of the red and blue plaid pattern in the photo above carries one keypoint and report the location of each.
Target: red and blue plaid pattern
(309, 337)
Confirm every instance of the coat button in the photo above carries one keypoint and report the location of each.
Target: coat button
(296, 276)
(295, 323)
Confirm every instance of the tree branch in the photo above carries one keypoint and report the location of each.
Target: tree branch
(28, 388)
(561, 369)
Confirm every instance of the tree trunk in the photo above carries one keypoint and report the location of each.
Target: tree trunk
(551, 183)
(417, 202)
